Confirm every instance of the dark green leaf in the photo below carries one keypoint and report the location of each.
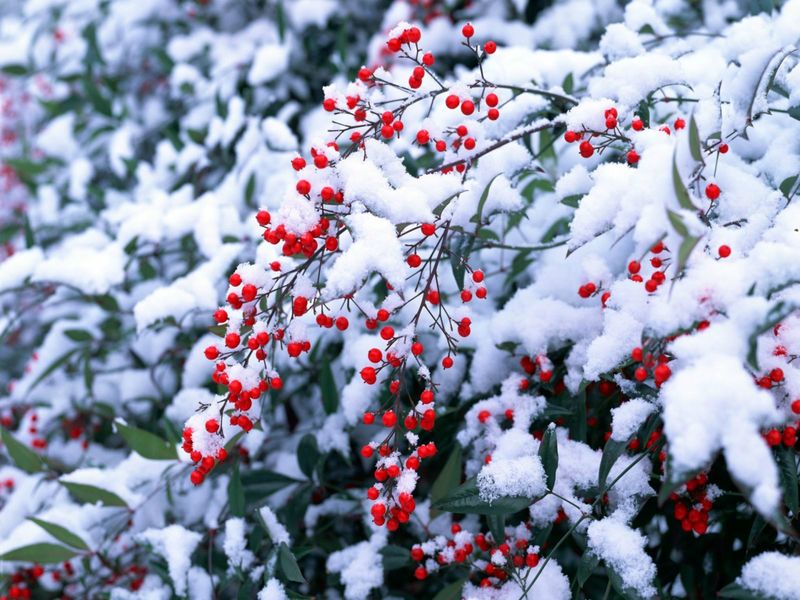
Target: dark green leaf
(548, 453)
(61, 534)
(146, 444)
(288, 564)
(395, 557)
(308, 454)
(788, 472)
(327, 385)
(569, 83)
(78, 335)
(681, 193)
(611, 452)
(788, 187)
(25, 458)
(91, 494)
(588, 564)
(497, 525)
(448, 479)
(758, 526)
(734, 590)
(40, 553)
(478, 217)
(694, 141)
(572, 201)
(452, 591)
(236, 492)
(250, 189)
(14, 70)
(466, 499)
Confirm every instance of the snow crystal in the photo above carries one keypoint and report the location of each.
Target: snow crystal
(273, 591)
(773, 574)
(628, 417)
(360, 566)
(622, 548)
(551, 584)
(277, 532)
(175, 544)
(270, 61)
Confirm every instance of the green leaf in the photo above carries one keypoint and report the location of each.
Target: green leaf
(586, 567)
(308, 454)
(101, 104)
(788, 472)
(694, 141)
(758, 526)
(681, 193)
(327, 385)
(147, 444)
(236, 493)
(459, 251)
(569, 83)
(734, 590)
(288, 564)
(92, 494)
(611, 452)
(395, 557)
(478, 217)
(497, 525)
(466, 499)
(25, 458)
(78, 335)
(263, 483)
(451, 591)
(643, 111)
(40, 553)
(14, 70)
(61, 534)
(572, 201)
(250, 189)
(548, 453)
(448, 479)
(788, 187)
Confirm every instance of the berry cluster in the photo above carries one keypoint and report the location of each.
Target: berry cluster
(693, 502)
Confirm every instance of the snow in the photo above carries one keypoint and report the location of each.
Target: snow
(176, 545)
(628, 417)
(277, 532)
(269, 62)
(551, 584)
(772, 574)
(359, 566)
(273, 590)
(622, 548)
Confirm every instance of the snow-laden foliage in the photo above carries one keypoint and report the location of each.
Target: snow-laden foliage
(483, 300)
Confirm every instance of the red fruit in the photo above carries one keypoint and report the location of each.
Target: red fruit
(447, 362)
(637, 354)
(374, 355)
(367, 451)
(426, 397)
(364, 74)
(387, 131)
(468, 30)
(796, 407)
(320, 161)
(232, 340)
(586, 149)
(420, 573)
(570, 137)
(634, 266)
(776, 375)
(342, 323)
(212, 426)
(679, 123)
(263, 218)
(417, 348)
(428, 229)
(632, 157)
(299, 306)
(640, 374)
(423, 137)
(389, 419)
(428, 59)
(368, 375)
(235, 280)
(410, 422)
(452, 101)
(387, 333)
(211, 352)
(196, 477)
(493, 114)
(492, 100)
(303, 187)
(724, 251)
(490, 47)
(329, 104)
(774, 437)
(368, 418)
(484, 416)
(637, 124)
(468, 107)
(298, 163)
(414, 261)
(417, 554)
(712, 191)
(723, 148)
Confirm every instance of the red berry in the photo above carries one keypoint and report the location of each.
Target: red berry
(428, 59)
(637, 124)
(468, 107)
(468, 30)
(679, 123)
(632, 157)
(724, 251)
(329, 104)
(298, 163)
(493, 114)
(303, 187)
(586, 149)
(389, 419)
(712, 191)
(423, 137)
(490, 47)
(634, 266)
(212, 426)
(452, 101)
(492, 100)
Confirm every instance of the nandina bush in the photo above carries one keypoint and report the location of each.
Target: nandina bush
(474, 301)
